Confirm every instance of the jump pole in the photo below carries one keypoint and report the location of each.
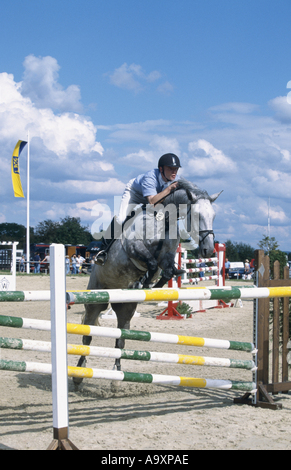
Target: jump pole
(153, 295)
(59, 351)
(137, 377)
(114, 353)
(134, 335)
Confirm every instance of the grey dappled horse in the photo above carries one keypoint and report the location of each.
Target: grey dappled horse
(148, 245)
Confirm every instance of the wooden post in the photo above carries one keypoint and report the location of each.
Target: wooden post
(276, 329)
(262, 265)
(285, 332)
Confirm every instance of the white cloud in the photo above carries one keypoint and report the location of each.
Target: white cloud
(277, 214)
(282, 109)
(205, 159)
(143, 158)
(110, 187)
(163, 144)
(235, 107)
(273, 183)
(132, 77)
(62, 134)
(40, 84)
(286, 156)
(140, 159)
(106, 166)
(165, 88)
(86, 211)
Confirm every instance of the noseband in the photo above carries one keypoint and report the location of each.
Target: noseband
(207, 232)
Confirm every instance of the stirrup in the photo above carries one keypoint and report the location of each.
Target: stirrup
(101, 261)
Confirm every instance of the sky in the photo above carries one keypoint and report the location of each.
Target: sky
(105, 88)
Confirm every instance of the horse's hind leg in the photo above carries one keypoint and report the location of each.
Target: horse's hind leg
(124, 313)
(90, 318)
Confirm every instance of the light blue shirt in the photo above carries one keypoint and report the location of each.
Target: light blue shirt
(151, 183)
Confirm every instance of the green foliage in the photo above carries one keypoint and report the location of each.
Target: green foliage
(268, 244)
(184, 309)
(12, 232)
(277, 255)
(280, 315)
(238, 251)
(68, 231)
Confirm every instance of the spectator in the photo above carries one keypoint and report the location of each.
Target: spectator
(80, 261)
(74, 264)
(22, 264)
(47, 259)
(67, 263)
(202, 273)
(227, 267)
(36, 260)
(247, 269)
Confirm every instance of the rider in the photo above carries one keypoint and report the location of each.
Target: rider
(148, 188)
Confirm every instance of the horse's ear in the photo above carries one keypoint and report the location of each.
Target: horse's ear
(215, 196)
(192, 196)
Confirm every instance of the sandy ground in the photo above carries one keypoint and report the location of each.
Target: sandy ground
(137, 416)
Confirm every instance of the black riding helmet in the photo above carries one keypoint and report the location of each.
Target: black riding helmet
(169, 159)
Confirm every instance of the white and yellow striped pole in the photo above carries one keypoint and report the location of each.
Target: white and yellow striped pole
(152, 295)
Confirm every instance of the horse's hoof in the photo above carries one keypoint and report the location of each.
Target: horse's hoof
(115, 386)
(77, 381)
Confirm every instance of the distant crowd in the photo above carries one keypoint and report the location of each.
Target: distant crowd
(75, 265)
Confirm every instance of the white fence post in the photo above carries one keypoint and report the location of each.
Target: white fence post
(59, 349)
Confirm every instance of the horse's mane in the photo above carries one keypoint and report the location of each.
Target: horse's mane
(188, 186)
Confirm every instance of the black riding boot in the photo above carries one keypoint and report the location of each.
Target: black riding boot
(112, 233)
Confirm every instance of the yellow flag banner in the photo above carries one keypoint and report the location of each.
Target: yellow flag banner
(16, 181)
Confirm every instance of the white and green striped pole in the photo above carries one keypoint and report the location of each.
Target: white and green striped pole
(134, 335)
(84, 372)
(114, 353)
(152, 295)
(166, 294)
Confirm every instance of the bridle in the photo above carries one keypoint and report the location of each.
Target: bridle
(207, 232)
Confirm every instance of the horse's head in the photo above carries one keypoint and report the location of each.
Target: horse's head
(206, 218)
(188, 193)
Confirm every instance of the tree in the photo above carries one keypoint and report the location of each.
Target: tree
(12, 232)
(231, 252)
(268, 244)
(68, 231)
(245, 251)
(238, 251)
(46, 232)
(277, 255)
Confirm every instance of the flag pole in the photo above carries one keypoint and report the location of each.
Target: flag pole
(28, 209)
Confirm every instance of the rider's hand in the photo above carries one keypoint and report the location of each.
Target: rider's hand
(173, 186)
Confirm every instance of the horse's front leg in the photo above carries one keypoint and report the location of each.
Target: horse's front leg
(124, 313)
(89, 318)
(166, 276)
(168, 269)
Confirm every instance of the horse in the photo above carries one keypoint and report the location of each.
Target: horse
(147, 246)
